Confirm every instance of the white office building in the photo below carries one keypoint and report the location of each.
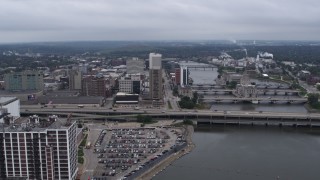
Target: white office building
(155, 61)
(10, 105)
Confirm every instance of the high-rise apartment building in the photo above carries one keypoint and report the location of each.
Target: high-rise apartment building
(75, 80)
(135, 66)
(39, 149)
(155, 76)
(26, 80)
(94, 86)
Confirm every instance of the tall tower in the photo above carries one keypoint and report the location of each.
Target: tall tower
(184, 76)
(155, 76)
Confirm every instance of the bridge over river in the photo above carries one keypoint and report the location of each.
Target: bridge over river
(259, 91)
(256, 100)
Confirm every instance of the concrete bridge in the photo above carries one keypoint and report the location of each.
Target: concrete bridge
(200, 67)
(256, 100)
(259, 91)
(206, 86)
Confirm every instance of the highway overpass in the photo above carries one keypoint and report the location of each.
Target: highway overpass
(211, 117)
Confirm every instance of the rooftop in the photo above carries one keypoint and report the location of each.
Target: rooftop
(6, 100)
(27, 125)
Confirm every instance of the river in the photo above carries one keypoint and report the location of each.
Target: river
(249, 153)
(208, 76)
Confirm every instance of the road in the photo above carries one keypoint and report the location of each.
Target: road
(90, 112)
(168, 96)
(91, 160)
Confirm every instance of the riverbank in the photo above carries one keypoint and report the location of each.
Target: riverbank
(189, 130)
(310, 109)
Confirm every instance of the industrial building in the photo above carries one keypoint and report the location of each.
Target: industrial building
(38, 149)
(10, 105)
(25, 80)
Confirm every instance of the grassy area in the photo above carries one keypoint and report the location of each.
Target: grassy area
(150, 122)
(202, 106)
(317, 106)
(187, 122)
(80, 159)
(169, 105)
(80, 155)
(80, 151)
(84, 141)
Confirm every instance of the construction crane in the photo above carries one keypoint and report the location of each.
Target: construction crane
(68, 122)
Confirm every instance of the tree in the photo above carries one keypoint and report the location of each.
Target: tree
(313, 99)
(175, 91)
(186, 103)
(195, 97)
(144, 119)
(232, 84)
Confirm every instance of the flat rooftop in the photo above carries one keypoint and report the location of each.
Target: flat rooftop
(23, 125)
(6, 100)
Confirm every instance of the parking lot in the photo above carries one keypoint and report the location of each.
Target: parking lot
(122, 152)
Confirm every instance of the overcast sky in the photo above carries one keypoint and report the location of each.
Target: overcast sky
(68, 20)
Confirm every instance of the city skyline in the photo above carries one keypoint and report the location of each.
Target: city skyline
(38, 21)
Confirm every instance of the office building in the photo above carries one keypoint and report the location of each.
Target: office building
(75, 80)
(184, 76)
(178, 76)
(135, 66)
(26, 80)
(130, 85)
(155, 76)
(9, 105)
(155, 61)
(37, 148)
(125, 85)
(94, 86)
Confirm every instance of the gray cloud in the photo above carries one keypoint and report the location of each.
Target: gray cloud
(58, 20)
